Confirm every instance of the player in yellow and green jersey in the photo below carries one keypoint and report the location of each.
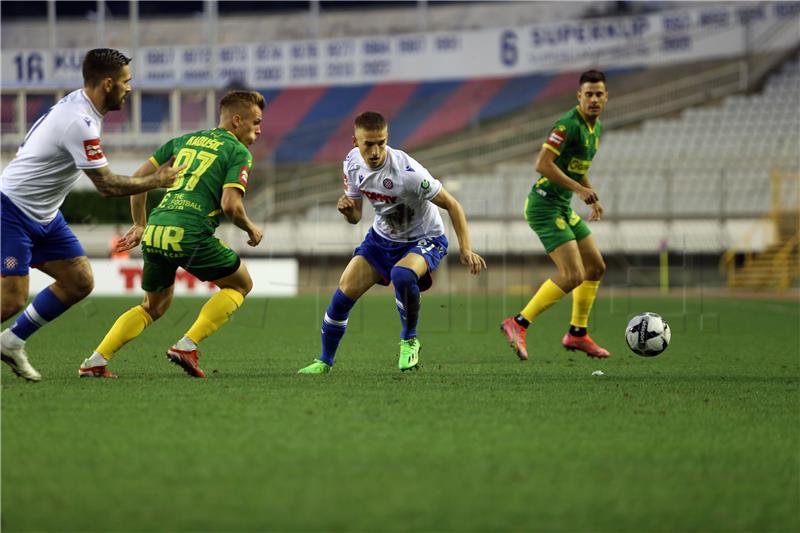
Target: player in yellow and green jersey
(180, 232)
(563, 165)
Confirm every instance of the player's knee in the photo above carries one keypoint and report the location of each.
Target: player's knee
(12, 304)
(403, 277)
(573, 279)
(243, 285)
(155, 307)
(82, 284)
(596, 271)
(350, 287)
(155, 311)
(246, 286)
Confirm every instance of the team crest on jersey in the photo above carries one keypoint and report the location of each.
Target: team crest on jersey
(93, 149)
(425, 185)
(243, 175)
(387, 184)
(10, 262)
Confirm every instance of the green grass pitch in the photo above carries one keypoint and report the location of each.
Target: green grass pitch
(705, 437)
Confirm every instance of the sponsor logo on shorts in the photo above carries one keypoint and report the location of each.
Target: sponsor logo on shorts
(560, 224)
(94, 151)
(574, 218)
(10, 262)
(243, 175)
(387, 184)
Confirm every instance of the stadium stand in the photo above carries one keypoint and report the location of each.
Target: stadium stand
(313, 123)
(709, 162)
(181, 23)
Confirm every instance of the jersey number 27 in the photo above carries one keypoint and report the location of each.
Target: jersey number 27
(188, 156)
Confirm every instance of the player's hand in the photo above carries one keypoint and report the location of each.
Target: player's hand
(475, 262)
(166, 174)
(587, 195)
(346, 205)
(597, 211)
(130, 240)
(255, 235)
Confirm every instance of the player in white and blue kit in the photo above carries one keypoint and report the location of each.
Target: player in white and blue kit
(404, 245)
(61, 144)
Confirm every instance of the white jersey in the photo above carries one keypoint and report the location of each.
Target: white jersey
(49, 161)
(400, 192)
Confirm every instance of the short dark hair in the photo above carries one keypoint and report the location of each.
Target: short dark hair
(102, 63)
(370, 121)
(592, 76)
(237, 101)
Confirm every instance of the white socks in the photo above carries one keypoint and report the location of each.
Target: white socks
(10, 340)
(95, 360)
(186, 344)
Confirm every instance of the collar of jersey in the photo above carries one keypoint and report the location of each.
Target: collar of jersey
(224, 132)
(91, 104)
(378, 168)
(591, 129)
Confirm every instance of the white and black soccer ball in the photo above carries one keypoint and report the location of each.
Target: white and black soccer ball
(648, 334)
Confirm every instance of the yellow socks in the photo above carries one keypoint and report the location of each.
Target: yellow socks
(131, 323)
(582, 299)
(127, 327)
(548, 294)
(214, 313)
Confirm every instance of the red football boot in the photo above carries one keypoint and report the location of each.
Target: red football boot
(584, 344)
(187, 360)
(96, 372)
(515, 335)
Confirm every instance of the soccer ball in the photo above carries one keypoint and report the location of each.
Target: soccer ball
(647, 334)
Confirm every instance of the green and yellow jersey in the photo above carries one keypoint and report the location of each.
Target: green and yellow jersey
(575, 143)
(215, 160)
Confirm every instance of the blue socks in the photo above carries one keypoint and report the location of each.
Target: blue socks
(44, 308)
(406, 291)
(334, 324)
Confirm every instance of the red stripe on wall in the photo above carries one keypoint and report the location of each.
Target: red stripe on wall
(285, 112)
(387, 99)
(560, 84)
(458, 110)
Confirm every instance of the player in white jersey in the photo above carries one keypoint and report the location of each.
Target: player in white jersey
(404, 245)
(61, 144)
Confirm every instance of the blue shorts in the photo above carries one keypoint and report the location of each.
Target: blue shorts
(27, 243)
(383, 254)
